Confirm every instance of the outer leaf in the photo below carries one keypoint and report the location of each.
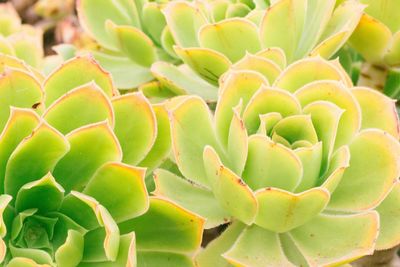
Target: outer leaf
(20, 124)
(184, 21)
(371, 38)
(162, 145)
(165, 227)
(192, 130)
(76, 72)
(91, 147)
(389, 212)
(281, 211)
(135, 126)
(229, 189)
(18, 89)
(350, 236)
(190, 196)
(257, 247)
(231, 37)
(209, 64)
(378, 111)
(284, 16)
(126, 73)
(82, 106)
(93, 19)
(306, 71)
(371, 177)
(134, 43)
(26, 164)
(120, 189)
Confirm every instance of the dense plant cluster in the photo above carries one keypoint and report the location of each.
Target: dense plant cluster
(210, 133)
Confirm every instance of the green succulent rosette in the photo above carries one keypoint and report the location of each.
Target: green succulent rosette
(69, 193)
(209, 45)
(21, 40)
(302, 171)
(129, 36)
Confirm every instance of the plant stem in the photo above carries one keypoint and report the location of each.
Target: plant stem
(373, 76)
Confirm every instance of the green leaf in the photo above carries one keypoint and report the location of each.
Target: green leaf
(153, 20)
(237, 143)
(209, 64)
(281, 211)
(73, 73)
(18, 89)
(296, 128)
(261, 171)
(91, 102)
(229, 189)
(34, 255)
(126, 73)
(233, 38)
(165, 259)
(269, 100)
(264, 66)
(306, 71)
(162, 145)
(133, 43)
(34, 157)
(378, 111)
(389, 225)
(372, 178)
(184, 21)
(339, 162)
(350, 237)
(126, 255)
(165, 227)
(325, 118)
(120, 189)
(257, 247)
(94, 13)
(235, 87)
(286, 16)
(135, 126)
(192, 130)
(71, 252)
(336, 93)
(44, 194)
(26, 262)
(176, 80)
(371, 39)
(384, 11)
(275, 54)
(20, 124)
(190, 196)
(311, 159)
(91, 147)
(102, 241)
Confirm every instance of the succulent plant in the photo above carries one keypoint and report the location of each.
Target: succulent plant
(69, 193)
(129, 36)
(20, 40)
(377, 39)
(302, 171)
(288, 29)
